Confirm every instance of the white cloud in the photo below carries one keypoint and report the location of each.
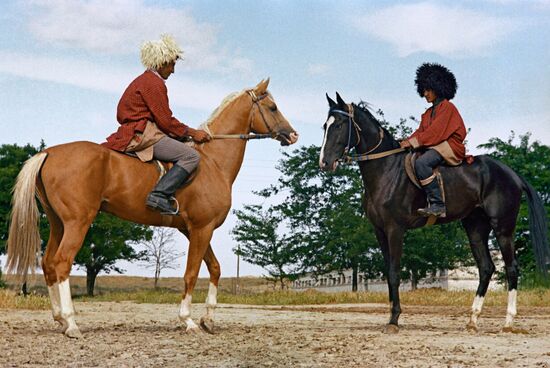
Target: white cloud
(429, 27)
(119, 26)
(183, 91)
(317, 69)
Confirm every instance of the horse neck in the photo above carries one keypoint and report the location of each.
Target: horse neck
(228, 154)
(379, 173)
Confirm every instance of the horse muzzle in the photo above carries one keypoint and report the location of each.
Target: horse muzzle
(287, 138)
(325, 166)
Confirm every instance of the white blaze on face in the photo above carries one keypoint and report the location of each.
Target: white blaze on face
(329, 122)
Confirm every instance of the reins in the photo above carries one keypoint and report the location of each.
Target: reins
(367, 156)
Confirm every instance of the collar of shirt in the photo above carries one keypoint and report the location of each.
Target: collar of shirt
(157, 74)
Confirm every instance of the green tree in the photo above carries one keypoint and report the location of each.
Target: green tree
(532, 161)
(262, 242)
(323, 210)
(431, 249)
(108, 241)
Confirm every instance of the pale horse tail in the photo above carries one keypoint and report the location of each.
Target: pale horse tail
(24, 237)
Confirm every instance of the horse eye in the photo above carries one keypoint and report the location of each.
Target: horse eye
(273, 108)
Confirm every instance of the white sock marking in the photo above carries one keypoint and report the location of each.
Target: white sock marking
(211, 300)
(476, 308)
(512, 307)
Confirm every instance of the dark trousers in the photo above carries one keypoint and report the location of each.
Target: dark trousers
(425, 164)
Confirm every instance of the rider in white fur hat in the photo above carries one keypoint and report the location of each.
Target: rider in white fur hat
(148, 128)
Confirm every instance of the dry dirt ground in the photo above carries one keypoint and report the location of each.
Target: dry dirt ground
(149, 335)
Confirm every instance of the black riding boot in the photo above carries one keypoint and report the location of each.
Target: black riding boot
(436, 205)
(161, 196)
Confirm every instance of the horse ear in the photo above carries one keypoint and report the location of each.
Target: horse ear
(331, 102)
(339, 100)
(261, 88)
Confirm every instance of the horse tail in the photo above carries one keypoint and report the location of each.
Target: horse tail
(538, 227)
(24, 237)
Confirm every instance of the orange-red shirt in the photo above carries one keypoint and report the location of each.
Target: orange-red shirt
(445, 125)
(146, 98)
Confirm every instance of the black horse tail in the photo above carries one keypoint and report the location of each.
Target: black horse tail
(538, 227)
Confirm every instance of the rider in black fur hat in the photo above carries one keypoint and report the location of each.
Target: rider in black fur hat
(441, 134)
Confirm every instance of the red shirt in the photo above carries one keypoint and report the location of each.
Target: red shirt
(146, 98)
(445, 125)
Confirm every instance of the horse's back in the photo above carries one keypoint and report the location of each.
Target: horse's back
(486, 183)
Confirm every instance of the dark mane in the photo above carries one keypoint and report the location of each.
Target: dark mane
(365, 107)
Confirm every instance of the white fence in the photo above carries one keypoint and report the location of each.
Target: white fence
(465, 278)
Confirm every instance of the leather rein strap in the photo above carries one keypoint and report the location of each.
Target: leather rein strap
(367, 156)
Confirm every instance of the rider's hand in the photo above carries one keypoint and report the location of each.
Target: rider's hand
(199, 136)
(405, 143)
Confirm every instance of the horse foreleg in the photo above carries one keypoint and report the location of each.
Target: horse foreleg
(199, 241)
(391, 244)
(207, 321)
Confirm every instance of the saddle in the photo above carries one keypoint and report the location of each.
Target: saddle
(410, 159)
(162, 167)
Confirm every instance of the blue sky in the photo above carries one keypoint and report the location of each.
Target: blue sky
(64, 65)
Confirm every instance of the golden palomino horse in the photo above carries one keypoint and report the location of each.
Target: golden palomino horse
(76, 180)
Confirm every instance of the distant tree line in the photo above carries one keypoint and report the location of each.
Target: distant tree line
(312, 221)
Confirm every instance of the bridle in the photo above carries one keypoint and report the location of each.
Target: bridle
(255, 103)
(350, 157)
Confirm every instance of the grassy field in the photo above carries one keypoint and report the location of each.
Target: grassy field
(254, 290)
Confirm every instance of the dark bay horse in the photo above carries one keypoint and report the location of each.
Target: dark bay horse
(76, 180)
(484, 195)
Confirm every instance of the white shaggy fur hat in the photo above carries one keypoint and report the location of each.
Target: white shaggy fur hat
(155, 54)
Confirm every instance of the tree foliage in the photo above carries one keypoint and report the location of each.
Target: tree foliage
(262, 241)
(159, 253)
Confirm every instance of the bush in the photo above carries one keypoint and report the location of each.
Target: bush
(2, 283)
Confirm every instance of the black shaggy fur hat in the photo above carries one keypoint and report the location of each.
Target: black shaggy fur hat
(437, 78)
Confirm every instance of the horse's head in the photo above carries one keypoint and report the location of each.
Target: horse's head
(266, 118)
(341, 133)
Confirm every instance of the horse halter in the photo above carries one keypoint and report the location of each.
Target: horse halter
(346, 158)
(351, 122)
(256, 103)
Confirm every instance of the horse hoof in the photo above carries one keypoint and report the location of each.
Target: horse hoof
(207, 324)
(73, 333)
(471, 327)
(391, 329)
(193, 330)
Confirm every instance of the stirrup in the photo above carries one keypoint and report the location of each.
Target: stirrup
(176, 211)
(427, 212)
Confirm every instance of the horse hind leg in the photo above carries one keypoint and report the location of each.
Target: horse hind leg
(478, 228)
(207, 321)
(72, 239)
(48, 266)
(505, 238)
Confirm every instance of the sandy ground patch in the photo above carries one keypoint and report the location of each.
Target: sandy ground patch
(150, 335)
